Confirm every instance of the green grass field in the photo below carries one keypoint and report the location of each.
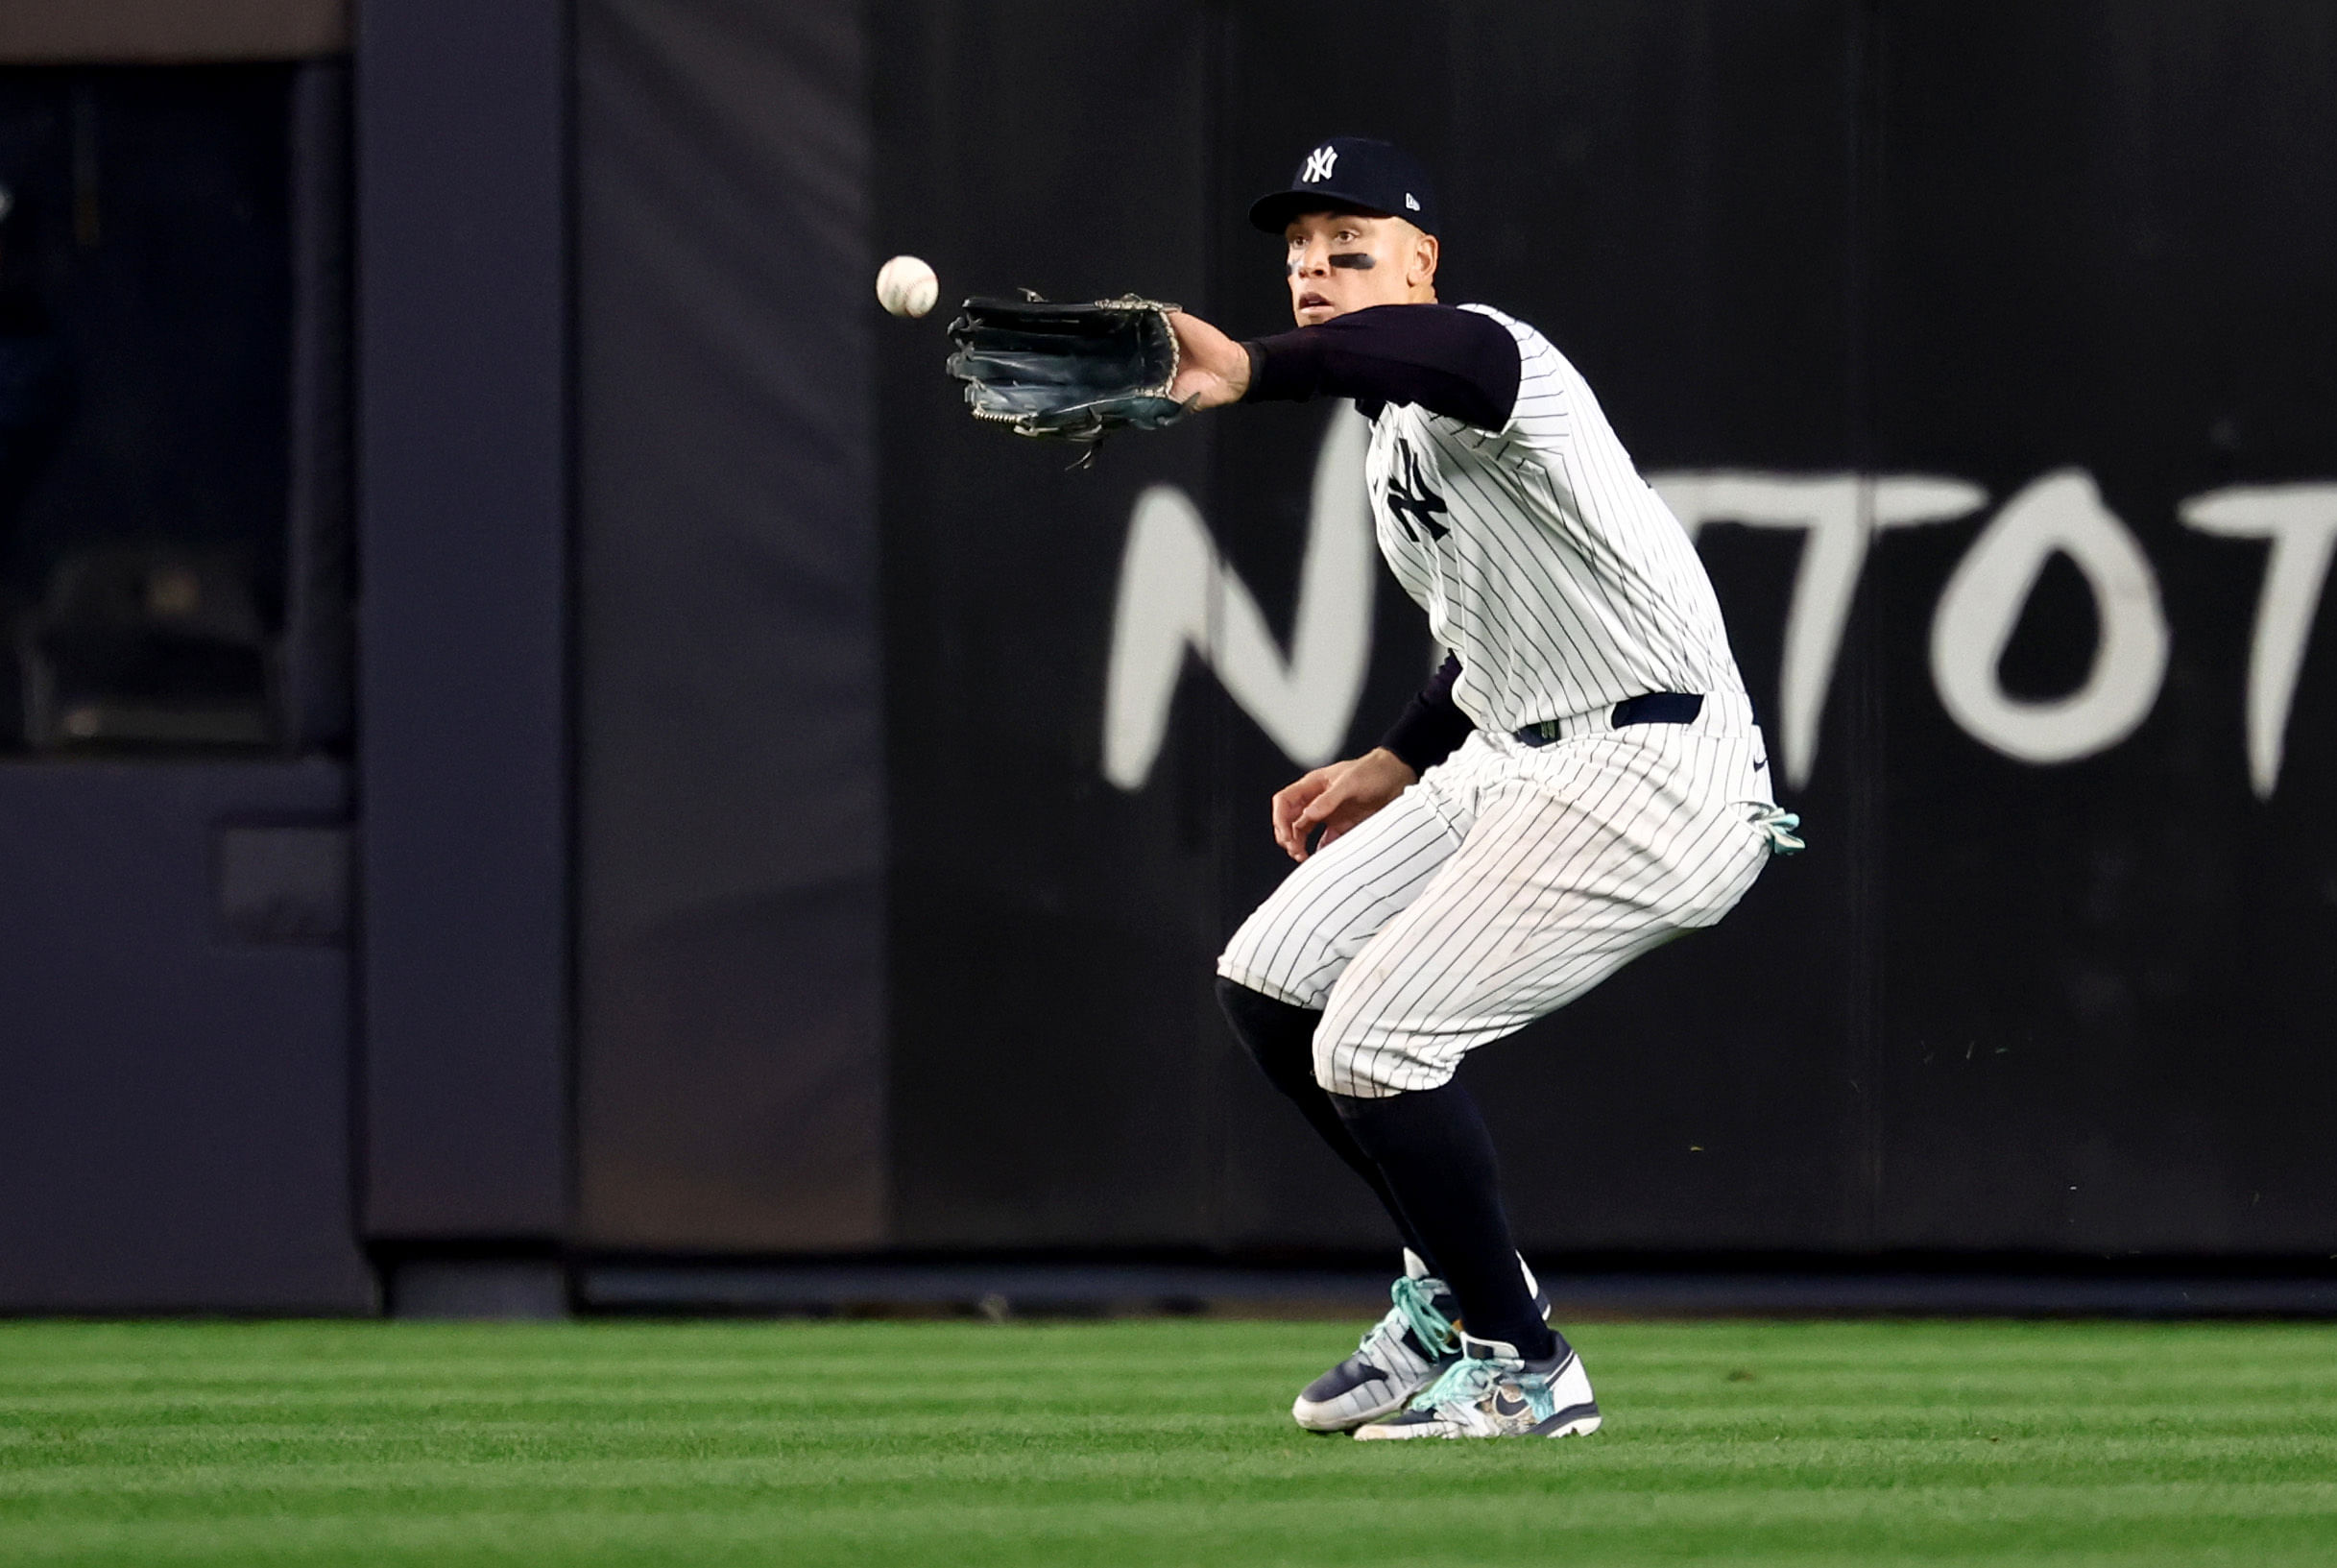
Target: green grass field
(1127, 1443)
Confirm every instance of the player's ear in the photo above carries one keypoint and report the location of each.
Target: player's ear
(1425, 250)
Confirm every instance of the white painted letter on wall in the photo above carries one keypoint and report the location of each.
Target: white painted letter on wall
(1983, 603)
(2301, 523)
(1177, 592)
(1840, 512)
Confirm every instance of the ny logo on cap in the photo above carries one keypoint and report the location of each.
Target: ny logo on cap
(1318, 165)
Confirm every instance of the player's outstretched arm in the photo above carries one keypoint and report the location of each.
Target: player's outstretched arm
(1210, 365)
(1337, 798)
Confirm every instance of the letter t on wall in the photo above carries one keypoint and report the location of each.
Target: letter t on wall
(2301, 523)
(1840, 514)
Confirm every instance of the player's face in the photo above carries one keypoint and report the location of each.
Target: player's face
(1342, 261)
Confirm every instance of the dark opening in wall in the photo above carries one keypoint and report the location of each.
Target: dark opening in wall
(173, 352)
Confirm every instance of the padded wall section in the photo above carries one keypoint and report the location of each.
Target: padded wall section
(175, 1133)
(1056, 1054)
(1986, 352)
(2108, 933)
(730, 786)
(462, 417)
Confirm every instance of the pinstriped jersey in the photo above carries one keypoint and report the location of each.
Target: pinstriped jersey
(1559, 578)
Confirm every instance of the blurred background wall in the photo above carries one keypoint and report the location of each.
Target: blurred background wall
(731, 774)
(539, 732)
(178, 1000)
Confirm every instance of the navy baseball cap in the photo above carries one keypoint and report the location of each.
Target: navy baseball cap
(1352, 172)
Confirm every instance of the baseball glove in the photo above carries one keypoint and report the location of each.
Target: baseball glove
(1068, 371)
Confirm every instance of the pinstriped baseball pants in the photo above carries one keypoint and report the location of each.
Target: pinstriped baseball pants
(1504, 884)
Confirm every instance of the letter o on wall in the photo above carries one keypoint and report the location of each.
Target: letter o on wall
(2061, 511)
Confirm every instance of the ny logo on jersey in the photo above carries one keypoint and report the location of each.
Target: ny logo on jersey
(1411, 499)
(1318, 165)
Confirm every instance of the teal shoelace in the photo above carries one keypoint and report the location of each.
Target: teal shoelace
(1418, 1305)
(1468, 1380)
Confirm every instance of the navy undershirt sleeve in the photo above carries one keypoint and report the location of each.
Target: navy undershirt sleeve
(1460, 363)
(1432, 726)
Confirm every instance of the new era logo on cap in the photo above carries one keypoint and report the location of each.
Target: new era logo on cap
(1412, 202)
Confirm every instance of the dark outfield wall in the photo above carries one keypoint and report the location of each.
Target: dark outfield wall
(1991, 352)
(730, 1029)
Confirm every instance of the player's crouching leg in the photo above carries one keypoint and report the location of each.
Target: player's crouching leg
(1391, 1084)
(1414, 1341)
(1295, 945)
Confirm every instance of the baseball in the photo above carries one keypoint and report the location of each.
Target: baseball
(906, 287)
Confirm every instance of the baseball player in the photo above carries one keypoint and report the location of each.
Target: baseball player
(1583, 781)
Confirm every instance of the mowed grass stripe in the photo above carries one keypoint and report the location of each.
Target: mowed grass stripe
(2152, 1524)
(165, 1450)
(942, 1477)
(1137, 1443)
(1582, 1506)
(203, 1356)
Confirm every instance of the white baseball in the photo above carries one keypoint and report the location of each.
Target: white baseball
(906, 287)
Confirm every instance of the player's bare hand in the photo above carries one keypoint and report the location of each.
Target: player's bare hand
(1210, 365)
(1337, 798)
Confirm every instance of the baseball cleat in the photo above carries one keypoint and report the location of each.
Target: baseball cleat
(1490, 1391)
(1399, 1355)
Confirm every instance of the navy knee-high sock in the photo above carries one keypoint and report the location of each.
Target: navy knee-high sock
(1280, 1037)
(1432, 1147)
